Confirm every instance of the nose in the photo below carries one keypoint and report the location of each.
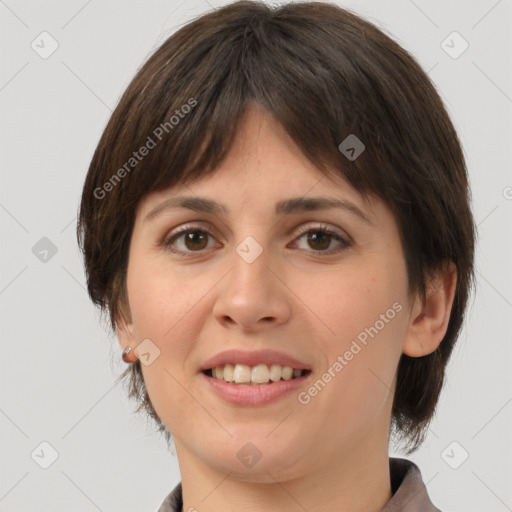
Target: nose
(253, 295)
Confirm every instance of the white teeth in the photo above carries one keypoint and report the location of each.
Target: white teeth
(242, 373)
(275, 372)
(259, 374)
(228, 373)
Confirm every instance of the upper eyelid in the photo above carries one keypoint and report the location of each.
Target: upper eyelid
(210, 229)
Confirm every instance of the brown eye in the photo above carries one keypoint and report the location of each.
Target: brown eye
(192, 239)
(195, 240)
(188, 240)
(319, 239)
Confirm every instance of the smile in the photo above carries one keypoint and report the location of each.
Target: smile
(254, 394)
(259, 374)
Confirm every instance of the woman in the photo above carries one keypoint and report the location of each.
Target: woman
(277, 221)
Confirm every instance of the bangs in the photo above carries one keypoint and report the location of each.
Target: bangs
(185, 107)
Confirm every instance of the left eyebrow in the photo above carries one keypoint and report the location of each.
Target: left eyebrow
(286, 206)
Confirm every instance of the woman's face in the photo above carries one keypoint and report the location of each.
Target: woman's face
(251, 280)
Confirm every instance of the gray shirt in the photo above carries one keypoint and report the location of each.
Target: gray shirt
(409, 491)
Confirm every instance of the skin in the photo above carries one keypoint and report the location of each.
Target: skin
(323, 455)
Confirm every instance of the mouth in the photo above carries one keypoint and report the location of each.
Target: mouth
(257, 375)
(254, 378)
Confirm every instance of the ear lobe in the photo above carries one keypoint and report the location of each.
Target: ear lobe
(430, 316)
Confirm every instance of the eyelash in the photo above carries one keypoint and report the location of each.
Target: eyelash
(168, 241)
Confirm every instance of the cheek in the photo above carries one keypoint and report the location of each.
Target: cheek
(164, 302)
(356, 302)
(166, 308)
(364, 316)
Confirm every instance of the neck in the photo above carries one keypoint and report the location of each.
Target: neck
(358, 481)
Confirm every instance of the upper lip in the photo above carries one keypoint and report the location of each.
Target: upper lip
(253, 358)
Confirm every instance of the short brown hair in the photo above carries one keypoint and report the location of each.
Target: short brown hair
(324, 73)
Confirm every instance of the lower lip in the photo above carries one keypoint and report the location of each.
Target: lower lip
(261, 394)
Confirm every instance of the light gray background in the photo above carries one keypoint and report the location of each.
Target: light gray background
(58, 363)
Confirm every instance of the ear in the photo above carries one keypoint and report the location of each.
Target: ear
(430, 316)
(125, 333)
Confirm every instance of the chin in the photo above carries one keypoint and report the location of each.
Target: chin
(255, 459)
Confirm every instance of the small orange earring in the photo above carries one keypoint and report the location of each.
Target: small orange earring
(128, 355)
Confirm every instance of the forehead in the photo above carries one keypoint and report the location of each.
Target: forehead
(262, 168)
